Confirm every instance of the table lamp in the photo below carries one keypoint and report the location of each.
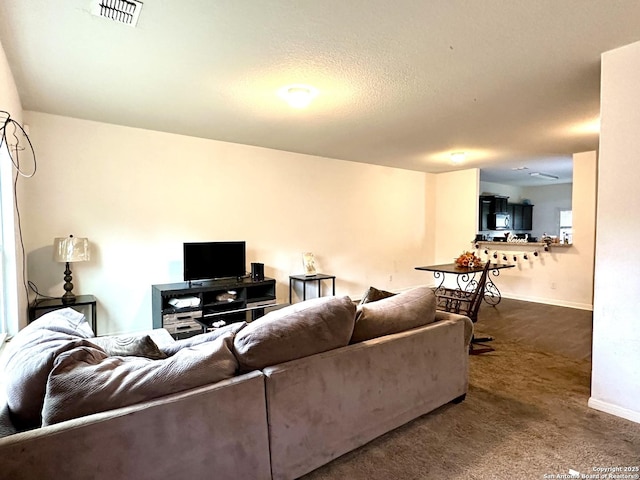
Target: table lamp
(70, 249)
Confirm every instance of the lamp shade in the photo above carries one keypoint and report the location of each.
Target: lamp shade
(71, 249)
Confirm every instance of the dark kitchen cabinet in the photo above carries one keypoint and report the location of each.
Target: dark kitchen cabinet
(494, 203)
(499, 204)
(490, 204)
(521, 216)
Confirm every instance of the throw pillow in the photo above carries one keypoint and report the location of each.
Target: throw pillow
(406, 310)
(85, 380)
(295, 331)
(373, 295)
(123, 346)
(30, 358)
(203, 337)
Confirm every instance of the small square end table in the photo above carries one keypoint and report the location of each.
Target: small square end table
(318, 278)
(40, 307)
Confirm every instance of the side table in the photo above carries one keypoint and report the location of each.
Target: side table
(40, 307)
(311, 278)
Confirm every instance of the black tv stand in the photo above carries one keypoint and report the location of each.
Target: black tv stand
(215, 301)
(200, 283)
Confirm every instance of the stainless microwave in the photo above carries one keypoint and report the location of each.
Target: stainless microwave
(499, 221)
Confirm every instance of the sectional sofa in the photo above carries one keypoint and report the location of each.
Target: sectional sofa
(308, 383)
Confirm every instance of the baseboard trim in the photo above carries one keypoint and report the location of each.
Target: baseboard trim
(549, 301)
(614, 410)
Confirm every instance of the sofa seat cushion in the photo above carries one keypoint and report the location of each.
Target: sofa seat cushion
(31, 355)
(406, 310)
(86, 380)
(129, 346)
(296, 331)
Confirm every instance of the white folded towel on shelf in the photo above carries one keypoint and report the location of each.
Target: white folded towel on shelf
(184, 302)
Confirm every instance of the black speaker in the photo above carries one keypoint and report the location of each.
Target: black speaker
(257, 271)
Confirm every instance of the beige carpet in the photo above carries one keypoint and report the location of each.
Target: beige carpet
(525, 416)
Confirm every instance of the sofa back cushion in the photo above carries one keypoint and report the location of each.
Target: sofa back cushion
(30, 359)
(6, 424)
(409, 309)
(176, 346)
(86, 380)
(296, 331)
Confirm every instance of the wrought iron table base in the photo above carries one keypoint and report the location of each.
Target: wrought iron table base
(466, 282)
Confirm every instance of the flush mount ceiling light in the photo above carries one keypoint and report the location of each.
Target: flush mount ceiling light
(544, 175)
(458, 157)
(298, 96)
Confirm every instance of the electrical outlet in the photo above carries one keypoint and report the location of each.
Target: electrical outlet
(390, 278)
(553, 285)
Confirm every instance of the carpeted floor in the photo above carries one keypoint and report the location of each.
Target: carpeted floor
(525, 415)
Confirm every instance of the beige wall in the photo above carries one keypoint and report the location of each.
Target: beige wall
(615, 379)
(15, 295)
(584, 202)
(563, 275)
(456, 213)
(137, 195)
(431, 211)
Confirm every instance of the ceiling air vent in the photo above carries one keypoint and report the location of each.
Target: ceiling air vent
(121, 11)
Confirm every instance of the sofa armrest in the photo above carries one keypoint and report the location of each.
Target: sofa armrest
(441, 315)
(218, 429)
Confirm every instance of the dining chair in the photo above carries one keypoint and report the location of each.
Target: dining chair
(467, 302)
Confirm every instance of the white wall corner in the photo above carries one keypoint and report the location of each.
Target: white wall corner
(615, 376)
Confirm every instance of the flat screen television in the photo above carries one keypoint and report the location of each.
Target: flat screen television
(211, 260)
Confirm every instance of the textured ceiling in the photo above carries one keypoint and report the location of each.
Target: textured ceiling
(400, 83)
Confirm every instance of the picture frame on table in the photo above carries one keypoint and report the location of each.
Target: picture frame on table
(309, 263)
